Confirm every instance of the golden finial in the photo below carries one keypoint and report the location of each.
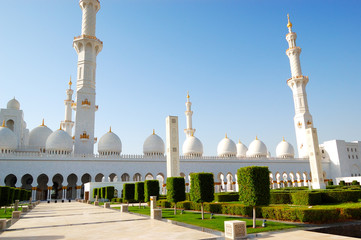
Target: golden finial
(42, 123)
(70, 83)
(283, 139)
(239, 141)
(192, 134)
(153, 132)
(256, 138)
(226, 135)
(110, 129)
(289, 25)
(3, 123)
(60, 127)
(187, 94)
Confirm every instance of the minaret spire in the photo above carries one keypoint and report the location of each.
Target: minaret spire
(87, 47)
(68, 124)
(297, 83)
(189, 131)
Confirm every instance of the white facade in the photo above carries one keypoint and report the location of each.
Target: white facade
(58, 164)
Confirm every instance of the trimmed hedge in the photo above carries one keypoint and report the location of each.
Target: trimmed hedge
(202, 187)
(254, 184)
(355, 182)
(164, 204)
(4, 196)
(226, 197)
(186, 205)
(280, 198)
(96, 192)
(340, 196)
(176, 189)
(151, 188)
(109, 192)
(128, 192)
(306, 198)
(139, 192)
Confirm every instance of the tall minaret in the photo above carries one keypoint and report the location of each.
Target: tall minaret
(297, 83)
(68, 124)
(87, 47)
(189, 131)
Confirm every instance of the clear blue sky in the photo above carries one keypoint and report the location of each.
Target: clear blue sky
(229, 54)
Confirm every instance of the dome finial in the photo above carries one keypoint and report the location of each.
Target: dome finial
(239, 140)
(3, 123)
(192, 134)
(70, 83)
(110, 129)
(289, 24)
(283, 139)
(188, 94)
(60, 127)
(226, 136)
(153, 132)
(256, 138)
(42, 123)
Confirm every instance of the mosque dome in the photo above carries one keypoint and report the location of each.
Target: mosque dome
(13, 104)
(110, 144)
(241, 149)
(226, 148)
(39, 135)
(8, 139)
(59, 142)
(192, 147)
(153, 145)
(257, 149)
(285, 150)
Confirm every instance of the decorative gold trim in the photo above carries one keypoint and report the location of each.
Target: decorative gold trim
(289, 24)
(85, 102)
(84, 135)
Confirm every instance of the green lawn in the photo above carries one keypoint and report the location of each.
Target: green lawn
(9, 212)
(217, 223)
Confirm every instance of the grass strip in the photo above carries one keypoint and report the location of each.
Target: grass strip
(217, 221)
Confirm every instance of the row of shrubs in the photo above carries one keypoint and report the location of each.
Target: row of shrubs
(303, 214)
(315, 197)
(104, 192)
(8, 195)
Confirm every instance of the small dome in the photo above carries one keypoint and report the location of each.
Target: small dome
(13, 104)
(241, 149)
(192, 146)
(226, 148)
(285, 150)
(38, 136)
(153, 145)
(257, 149)
(8, 139)
(59, 142)
(110, 144)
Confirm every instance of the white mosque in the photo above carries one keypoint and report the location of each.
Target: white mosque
(57, 164)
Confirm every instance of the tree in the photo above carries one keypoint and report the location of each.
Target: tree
(139, 192)
(176, 191)
(128, 192)
(4, 197)
(254, 189)
(151, 188)
(109, 192)
(202, 188)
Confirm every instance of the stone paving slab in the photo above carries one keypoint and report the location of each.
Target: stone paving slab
(84, 221)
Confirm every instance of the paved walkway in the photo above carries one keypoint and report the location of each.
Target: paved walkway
(83, 221)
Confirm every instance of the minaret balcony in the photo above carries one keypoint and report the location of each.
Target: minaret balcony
(296, 79)
(73, 106)
(84, 137)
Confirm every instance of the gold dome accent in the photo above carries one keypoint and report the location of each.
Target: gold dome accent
(289, 25)
(192, 134)
(3, 123)
(226, 136)
(60, 127)
(256, 138)
(110, 129)
(239, 141)
(153, 132)
(42, 123)
(283, 139)
(70, 83)
(188, 94)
